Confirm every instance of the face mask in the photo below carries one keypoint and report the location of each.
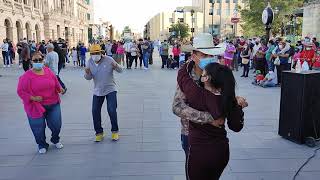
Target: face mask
(205, 61)
(257, 43)
(308, 48)
(37, 66)
(306, 40)
(96, 58)
(280, 46)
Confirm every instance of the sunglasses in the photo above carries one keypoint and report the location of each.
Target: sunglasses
(37, 60)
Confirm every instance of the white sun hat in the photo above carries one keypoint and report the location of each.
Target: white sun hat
(203, 42)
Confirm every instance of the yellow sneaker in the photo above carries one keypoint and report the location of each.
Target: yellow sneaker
(99, 137)
(115, 136)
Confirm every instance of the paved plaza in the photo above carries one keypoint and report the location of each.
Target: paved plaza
(149, 146)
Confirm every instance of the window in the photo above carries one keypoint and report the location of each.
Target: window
(25, 2)
(218, 1)
(218, 11)
(235, 1)
(88, 17)
(227, 1)
(228, 12)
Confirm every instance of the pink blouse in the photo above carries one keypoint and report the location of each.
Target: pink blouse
(47, 86)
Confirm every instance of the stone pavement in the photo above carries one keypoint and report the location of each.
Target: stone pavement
(149, 147)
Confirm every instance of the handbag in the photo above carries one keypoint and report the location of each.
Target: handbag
(245, 60)
(277, 61)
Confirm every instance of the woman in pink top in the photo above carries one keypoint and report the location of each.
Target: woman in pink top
(120, 53)
(39, 90)
(229, 53)
(176, 53)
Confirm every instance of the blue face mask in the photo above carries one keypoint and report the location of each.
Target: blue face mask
(205, 61)
(37, 66)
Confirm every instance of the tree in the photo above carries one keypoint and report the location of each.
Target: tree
(181, 30)
(126, 29)
(251, 15)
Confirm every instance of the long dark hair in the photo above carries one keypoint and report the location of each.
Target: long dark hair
(221, 77)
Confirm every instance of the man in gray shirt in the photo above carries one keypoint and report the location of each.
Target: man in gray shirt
(100, 69)
(52, 60)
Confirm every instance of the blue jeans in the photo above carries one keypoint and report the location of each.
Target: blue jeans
(52, 117)
(268, 84)
(6, 58)
(83, 60)
(112, 111)
(146, 57)
(270, 65)
(185, 143)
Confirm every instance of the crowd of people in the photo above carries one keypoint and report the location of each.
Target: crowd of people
(275, 56)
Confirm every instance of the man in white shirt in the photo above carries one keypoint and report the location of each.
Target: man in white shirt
(52, 61)
(127, 48)
(5, 53)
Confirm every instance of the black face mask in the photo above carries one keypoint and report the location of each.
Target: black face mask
(257, 43)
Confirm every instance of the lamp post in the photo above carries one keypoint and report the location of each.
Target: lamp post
(211, 13)
(192, 19)
(267, 19)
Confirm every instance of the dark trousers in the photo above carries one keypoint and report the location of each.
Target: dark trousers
(151, 58)
(135, 59)
(140, 60)
(112, 111)
(128, 58)
(185, 147)
(61, 83)
(6, 58)
(26, 65)
(164, 59)
(280, 69)
(207, 161)
(52, 117)
(245, 70)
(176, 58)
(261, 65)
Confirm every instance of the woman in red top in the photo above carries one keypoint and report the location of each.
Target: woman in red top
(316, 60)
(307, 54)
(176, 52)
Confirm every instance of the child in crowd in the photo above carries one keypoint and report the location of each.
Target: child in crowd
(169, 61)
(269, 81)
(74, 55)
(259, 78)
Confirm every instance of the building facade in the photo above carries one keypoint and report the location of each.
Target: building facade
(21, 18)
(158, 27)
(311, 19)
(220, 22)
(45, 19)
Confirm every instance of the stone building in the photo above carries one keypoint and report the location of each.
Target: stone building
(21, 18)
(311, 19)
(158, 26)
(45, 19)
(220, 22)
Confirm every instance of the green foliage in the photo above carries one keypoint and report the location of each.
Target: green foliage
(126, 29)
(251, 15)
(181, 29)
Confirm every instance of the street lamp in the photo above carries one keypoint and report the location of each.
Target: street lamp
(267, 19)
(192, 19)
